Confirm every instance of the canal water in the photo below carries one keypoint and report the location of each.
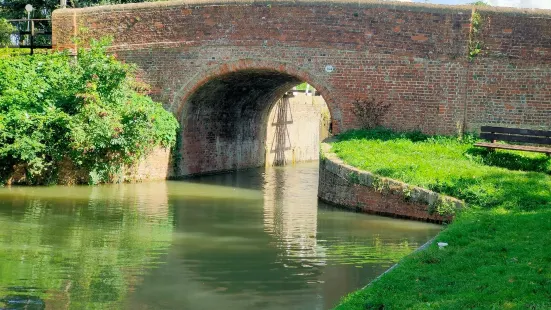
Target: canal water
(254, 239)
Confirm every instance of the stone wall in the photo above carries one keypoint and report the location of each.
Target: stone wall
(220, 66)
(343, 185)
(295, 129)
(156, 166)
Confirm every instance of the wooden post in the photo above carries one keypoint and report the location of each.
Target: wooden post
(32, 37)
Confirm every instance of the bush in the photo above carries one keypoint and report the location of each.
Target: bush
(370, 111)
(5, 31)
(88, 111)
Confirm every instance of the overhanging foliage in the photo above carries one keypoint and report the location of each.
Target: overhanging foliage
(90, 111)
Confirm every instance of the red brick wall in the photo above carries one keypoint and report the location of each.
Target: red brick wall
(509, 84)
(335, 190)
(414, 56)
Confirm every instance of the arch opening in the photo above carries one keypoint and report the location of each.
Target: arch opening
(228, 122)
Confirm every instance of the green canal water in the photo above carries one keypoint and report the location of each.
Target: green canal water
(254, 239)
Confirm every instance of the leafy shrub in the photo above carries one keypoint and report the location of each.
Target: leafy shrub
(370, 111)
(88, 111)
(5, 31)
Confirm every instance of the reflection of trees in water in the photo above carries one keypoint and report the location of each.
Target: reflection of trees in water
(89, 248)
(84, 252)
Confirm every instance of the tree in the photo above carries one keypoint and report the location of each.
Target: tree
(90, 111)
(13, 9)
(5, 30)
(44, 8)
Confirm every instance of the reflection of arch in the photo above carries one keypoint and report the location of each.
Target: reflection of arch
(224, 112)
(291, 215)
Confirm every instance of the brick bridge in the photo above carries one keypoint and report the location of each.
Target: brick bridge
(219, 66)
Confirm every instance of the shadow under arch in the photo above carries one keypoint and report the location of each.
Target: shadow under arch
(210, 72)
(224, 110)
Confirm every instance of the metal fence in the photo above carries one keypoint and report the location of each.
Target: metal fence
(31, 33)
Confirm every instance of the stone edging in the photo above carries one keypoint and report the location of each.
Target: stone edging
(421, 248)
(437, 207)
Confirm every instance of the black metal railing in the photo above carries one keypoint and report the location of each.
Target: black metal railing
(31, 33)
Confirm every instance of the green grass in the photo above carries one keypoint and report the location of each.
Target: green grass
(8, 51)
(499, 253)
(303, 86)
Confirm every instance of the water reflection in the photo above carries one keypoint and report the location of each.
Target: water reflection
(247, 240)
(78, 247)
(290, 215)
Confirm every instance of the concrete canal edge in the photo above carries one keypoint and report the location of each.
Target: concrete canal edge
(362, 191)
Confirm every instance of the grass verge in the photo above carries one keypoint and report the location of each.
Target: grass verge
(498, 255)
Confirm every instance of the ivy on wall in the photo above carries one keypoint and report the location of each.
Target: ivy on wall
(475, 45)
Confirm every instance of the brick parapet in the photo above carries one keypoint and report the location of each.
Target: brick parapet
(343, 25)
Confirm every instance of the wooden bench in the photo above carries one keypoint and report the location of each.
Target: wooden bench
(539, 137)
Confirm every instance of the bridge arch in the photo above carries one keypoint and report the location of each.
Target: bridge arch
(224, 109)
(303, 74)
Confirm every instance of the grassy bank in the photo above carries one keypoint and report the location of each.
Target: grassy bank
(498, 255)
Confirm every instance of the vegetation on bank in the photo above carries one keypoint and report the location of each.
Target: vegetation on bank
(5, 30)
(498, 256)
(44, 8)
(484, 179)
(89, 110)
(303, 86)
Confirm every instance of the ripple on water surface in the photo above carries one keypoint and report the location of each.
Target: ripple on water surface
(246, 240)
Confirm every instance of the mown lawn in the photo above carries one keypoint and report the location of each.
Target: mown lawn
(8, 51)
(499, 253)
